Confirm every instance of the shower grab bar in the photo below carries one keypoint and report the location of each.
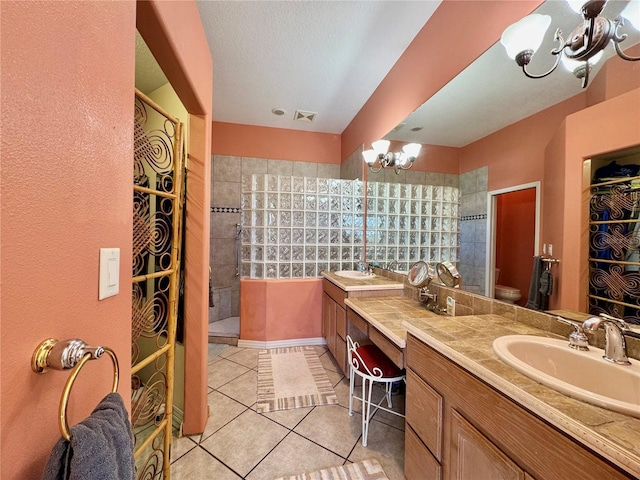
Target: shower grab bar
(237, 247)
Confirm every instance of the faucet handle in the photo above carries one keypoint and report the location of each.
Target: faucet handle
(618, 321)
(577, 339)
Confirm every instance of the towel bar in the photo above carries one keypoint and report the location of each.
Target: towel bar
(550, 260)
(70, 354)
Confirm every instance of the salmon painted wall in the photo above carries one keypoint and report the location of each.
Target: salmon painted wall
(515, 154)
(451, 40)
(584, 136)
(515, 238)
(67, 156)
(275, 143)
(433, 158)
(173, 32)
(272, 310)
(616, 77)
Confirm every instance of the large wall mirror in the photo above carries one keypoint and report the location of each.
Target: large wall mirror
(470, 143)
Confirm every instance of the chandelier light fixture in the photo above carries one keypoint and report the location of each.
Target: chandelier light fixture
(585, 44)
(379, 156)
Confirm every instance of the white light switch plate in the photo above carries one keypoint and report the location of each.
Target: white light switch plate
(109, 273)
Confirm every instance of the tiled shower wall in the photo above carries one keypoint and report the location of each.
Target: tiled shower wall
(353, 166)
(226, 194)
(473, 229)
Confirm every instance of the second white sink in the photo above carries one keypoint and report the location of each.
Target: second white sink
(579, 374)
(354, 274)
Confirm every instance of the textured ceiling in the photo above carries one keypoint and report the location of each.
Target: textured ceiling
(320, 56)
(149, 75)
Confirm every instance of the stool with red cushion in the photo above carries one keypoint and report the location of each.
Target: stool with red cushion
(373, 366)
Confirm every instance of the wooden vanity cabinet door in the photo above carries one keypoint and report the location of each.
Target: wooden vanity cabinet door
(341, 354)
(329, 322)
(418, 461)
(474, 457)
(341, 338)
(424, 412)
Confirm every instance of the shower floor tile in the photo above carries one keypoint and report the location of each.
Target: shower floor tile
(229, 327)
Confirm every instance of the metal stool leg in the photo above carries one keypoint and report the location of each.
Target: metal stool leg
(352, 381)
(366, 418)
(388, 387)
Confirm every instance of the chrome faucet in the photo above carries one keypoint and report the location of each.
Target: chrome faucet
(615, 348)
(578, 339)
(364, 267)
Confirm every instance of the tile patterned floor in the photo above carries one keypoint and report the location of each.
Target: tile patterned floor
(239, 443)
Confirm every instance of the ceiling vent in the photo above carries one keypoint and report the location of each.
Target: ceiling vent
(304, 116)
(398, 127)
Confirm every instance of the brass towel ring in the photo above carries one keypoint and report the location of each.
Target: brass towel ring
(64, 400)
(69, 354)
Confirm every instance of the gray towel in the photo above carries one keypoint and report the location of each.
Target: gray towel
(535, 299)
(101, 446)
(546, 283)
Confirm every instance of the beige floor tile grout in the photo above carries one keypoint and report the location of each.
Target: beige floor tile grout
(332, 370)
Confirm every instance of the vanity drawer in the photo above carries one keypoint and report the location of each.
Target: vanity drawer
(334, 292)
(424, 413)
(395, 354)
(358, 322)
(418, 461)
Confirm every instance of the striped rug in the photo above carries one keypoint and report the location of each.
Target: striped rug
(364, 470)
(292, 378)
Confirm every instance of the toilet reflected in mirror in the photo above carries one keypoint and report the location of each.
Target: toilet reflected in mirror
(504, 292)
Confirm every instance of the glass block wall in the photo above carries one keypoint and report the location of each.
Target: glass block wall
(295, 227)
(406, 223)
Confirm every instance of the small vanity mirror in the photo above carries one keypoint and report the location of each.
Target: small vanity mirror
(448, 274)
(419, 275)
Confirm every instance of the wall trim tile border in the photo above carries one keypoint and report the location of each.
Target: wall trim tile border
(473, 217)
(226, 210)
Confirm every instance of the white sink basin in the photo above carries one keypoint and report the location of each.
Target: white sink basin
(582, 375)
(354, 274)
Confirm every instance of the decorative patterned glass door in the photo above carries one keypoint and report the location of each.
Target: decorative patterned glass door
(614, 261)
(157, 238)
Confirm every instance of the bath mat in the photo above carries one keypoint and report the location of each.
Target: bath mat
(292, 378)
(364, 470)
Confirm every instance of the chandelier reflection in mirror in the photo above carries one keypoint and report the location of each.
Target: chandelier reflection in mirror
(379, 156)
(585, 44)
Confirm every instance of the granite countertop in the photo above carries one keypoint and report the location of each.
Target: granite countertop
(386, 314)
(375, 282)
(467, 341)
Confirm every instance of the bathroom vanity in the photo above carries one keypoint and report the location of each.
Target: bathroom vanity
(336, 290)
(470, 416)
